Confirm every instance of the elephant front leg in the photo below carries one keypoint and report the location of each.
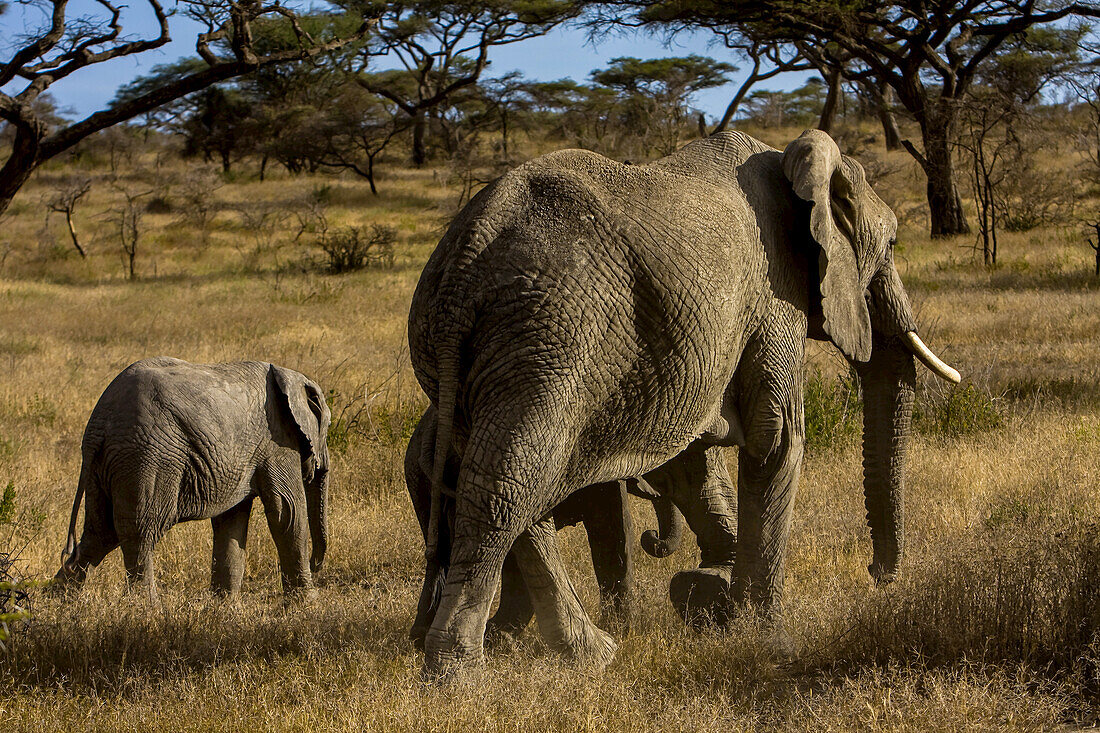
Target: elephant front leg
(562, 619)
(699, 483)
(230, 537)
(768, 470)
(283, 496)
(767, 481)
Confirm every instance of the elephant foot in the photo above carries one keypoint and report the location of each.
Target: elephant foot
(780, 642)
(617, 618)
(593, 647)
(702, 596)
(444, 655)
(67, 582)
(498, 634)
(300, 596)
(417, 634)
(883, 573)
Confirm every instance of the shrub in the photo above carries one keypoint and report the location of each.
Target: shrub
(159, 204)
(13, 592)
(354, 248)
(1025, 595)
(833, 409)
(959, 412)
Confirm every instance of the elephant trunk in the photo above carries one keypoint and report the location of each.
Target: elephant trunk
(317, 509)
(889, 382)
(670, 529)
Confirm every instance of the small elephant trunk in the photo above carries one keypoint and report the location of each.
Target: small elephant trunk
(889, 382)
(317, 509)
(670, 529)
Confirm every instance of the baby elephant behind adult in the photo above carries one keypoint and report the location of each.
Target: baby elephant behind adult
(171, 441)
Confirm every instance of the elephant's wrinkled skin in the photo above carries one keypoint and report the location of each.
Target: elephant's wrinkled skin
(170, 441)
(604, 511)
(582, 321)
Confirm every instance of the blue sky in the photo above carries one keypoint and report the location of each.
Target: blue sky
(564, 52)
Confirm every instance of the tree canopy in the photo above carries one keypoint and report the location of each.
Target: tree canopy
(66, 42)
(929, 54)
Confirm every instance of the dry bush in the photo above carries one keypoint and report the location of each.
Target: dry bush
(354, 248)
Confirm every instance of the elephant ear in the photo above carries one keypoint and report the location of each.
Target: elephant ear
(306, 404)
(814, 166)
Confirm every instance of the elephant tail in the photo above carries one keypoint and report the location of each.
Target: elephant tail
(81, 489)
(436, 542)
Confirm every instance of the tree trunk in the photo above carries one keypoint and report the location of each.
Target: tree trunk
(72, 233)
(881, 100)
(370, 174)
(739, 97)
(944, 202)
(832, 102)
(21, 162)
(419, 156)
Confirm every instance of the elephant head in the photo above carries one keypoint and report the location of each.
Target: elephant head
(858, 303)
(311, 417)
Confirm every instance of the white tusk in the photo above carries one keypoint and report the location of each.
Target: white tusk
(930, 360)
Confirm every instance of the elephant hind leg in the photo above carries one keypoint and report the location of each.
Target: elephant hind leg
(609, 526)
(508, 473)
(230, 537)
(97, 540)
(458, 626)
(144, 519)
(515, 610)
(137, 553)
(562, 619)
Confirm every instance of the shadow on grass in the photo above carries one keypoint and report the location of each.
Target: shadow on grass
(1065, 392)
(967, 275)
(96, 642)
(1010, 595)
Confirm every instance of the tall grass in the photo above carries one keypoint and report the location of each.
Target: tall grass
(990, 626)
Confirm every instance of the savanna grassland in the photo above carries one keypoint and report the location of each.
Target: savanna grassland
(993, 627)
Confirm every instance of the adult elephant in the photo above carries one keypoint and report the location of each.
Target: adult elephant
(583, 320)
(602, 509)
(170, 441)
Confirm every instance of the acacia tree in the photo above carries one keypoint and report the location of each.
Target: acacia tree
(359, 126)
(66, 43)
(657, 91)
(996, 117)
(929, 54)
(443, 47)
(66, 196)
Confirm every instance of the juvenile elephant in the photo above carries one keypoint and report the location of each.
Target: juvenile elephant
(603, 509)
(170, 441)
(582, 321)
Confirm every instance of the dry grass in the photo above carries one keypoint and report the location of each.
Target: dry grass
(992, 628)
